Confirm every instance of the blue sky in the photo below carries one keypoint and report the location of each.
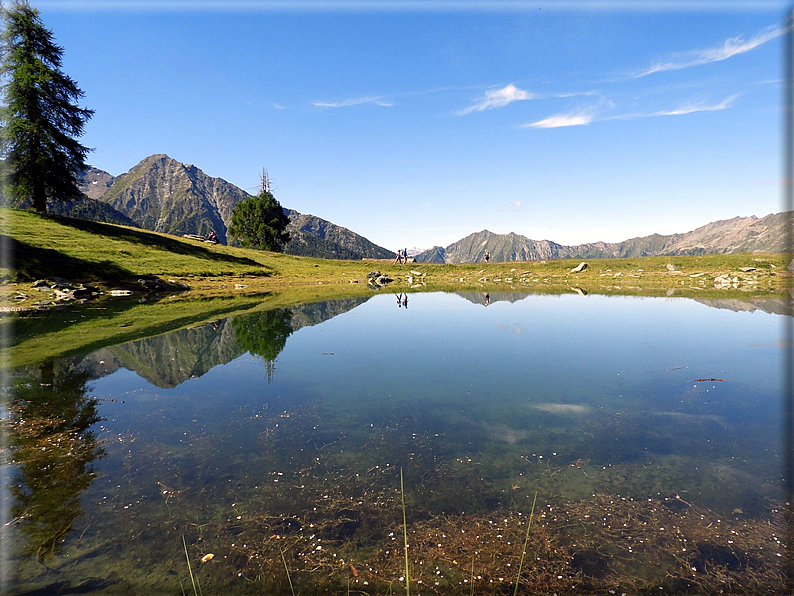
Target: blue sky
(416, 124)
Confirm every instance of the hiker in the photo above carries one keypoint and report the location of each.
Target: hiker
(487, 256)
(398, 256)
(213, 237)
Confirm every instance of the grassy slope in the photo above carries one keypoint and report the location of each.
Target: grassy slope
(115, 255)
(37, 336)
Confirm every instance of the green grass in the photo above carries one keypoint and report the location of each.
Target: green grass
(405, 537)
(289, 579)
(116, 256)
(37, 337)
(189, 568)
(526, 541)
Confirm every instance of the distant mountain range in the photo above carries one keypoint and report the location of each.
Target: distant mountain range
(165, 195)
(740, 234)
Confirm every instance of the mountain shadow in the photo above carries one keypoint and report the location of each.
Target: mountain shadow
(146, 238)
(32, 262)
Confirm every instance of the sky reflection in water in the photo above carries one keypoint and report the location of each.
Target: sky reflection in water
(606, 379)
(481, 405)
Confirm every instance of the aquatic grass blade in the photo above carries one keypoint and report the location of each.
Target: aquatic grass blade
(405, 536)
(289, 579)
(190, 570)
(526, 541)
(472, 574)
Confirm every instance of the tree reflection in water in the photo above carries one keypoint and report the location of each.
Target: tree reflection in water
(264, 334)
(52, 448)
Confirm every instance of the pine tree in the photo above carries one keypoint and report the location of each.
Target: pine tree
(260, 222)
(40, 121)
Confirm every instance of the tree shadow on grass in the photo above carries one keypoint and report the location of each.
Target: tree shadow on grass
(146, 238)
(33, 262)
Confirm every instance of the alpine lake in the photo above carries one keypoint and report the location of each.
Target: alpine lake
(627, 445)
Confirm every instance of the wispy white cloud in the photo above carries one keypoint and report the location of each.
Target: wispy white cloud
(585, 116)
(576, 94)
(514, 206)
(356, 101)
(732, 46)
(701, 107)
(578, 118)
(278, 106)
(498, 98)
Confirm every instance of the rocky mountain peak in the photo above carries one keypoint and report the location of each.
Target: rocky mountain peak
(735, 235)
(163, 194)
(166, 195)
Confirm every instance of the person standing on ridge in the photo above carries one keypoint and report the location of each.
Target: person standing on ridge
(487, 256)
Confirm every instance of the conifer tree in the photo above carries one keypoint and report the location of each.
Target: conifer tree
(260, 222)
(40, 120)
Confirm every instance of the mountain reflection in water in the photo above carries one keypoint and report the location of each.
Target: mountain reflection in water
(645, 477)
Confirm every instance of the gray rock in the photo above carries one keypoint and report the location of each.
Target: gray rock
(373, 274)
(579, 268)
(670, 267)
(747, 269)
(383, 280)
(43, 282)
(790, 266)
(152, 285)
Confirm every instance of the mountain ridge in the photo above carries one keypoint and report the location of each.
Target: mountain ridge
(738, 234)
(164, 195)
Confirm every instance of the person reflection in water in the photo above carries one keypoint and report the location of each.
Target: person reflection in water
(487, 298)
(399, 300)
(405, 301)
